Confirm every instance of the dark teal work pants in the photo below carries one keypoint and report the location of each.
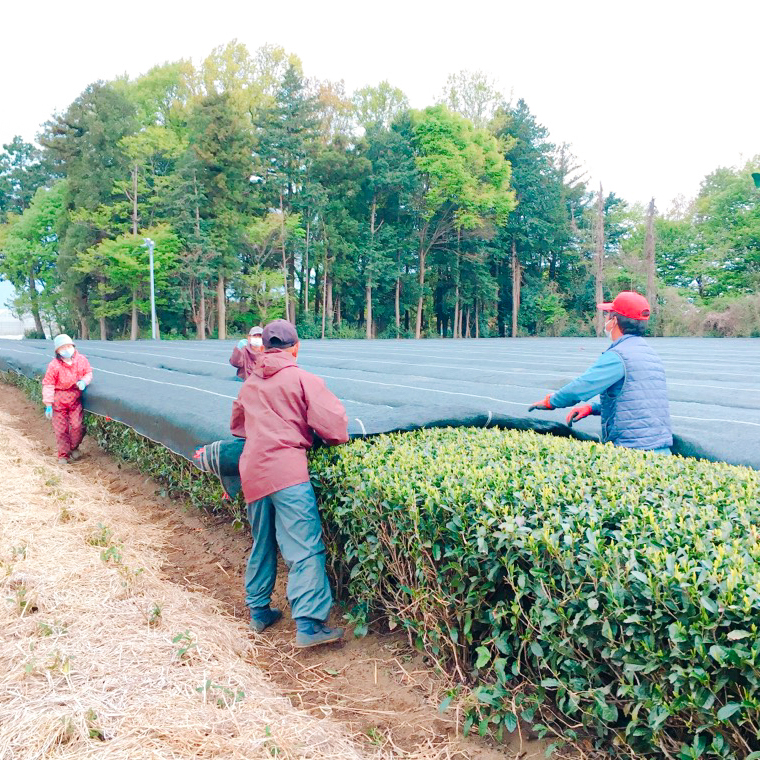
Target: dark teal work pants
(288, 519)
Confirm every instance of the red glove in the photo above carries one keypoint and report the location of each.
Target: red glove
(543, 404)
(584, 410)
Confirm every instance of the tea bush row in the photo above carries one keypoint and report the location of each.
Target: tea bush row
(613, 592)
(623, 588)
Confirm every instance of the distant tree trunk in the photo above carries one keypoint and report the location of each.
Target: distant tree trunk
(329, 306)
(133, 334)
(455, 328)
(649, 247)
(34, 301)
(284, 258)
(325, 301)
(103, 330)
(369, 312)
(305, 279)
(337, 307)
(222, 307)
(134, 200)
(84, 328)
(477, 323)
(421, 299)
(516, 284)
(372, 216)
(200, 327)
(599, 262)
(398, 306)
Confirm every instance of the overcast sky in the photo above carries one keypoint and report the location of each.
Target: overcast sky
(651, 95)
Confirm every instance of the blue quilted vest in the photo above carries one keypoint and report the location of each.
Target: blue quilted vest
(635, 411)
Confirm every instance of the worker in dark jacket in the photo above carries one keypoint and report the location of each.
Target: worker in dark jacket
(629, 379)
(247, 351)
(276, 411)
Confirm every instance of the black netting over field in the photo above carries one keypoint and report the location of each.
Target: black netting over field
(180, 393)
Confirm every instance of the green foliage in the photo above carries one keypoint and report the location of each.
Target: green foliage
(22, 172)
(122, 268)
(618, 586)
(29, 249)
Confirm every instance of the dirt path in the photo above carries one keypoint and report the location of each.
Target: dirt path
(377, 686)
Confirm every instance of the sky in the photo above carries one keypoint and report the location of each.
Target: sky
(651, 96)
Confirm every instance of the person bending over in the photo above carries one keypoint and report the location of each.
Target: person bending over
(246, 352)
(276, 411)
(629, 379)
(65, 379)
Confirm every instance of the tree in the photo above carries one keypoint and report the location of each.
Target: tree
(122, 267)
(22, 172)
(387, 188)
(84, 144)
(538, 233)
(379, 106)
(222, 159)
(649, 253)
(599, 260)
(474, 95)
(465, 183)
(29, 254)
(285, 147)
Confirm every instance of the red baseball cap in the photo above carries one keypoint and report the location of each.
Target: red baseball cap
(628, 304)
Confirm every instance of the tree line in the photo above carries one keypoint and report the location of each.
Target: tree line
(268, 194)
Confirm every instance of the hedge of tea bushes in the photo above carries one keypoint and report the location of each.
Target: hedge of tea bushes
(614, 591)
(623, 588)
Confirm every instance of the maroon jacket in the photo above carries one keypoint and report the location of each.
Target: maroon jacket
(276, 411)
(244, 359)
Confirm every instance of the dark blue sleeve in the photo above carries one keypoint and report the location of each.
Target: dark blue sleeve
(608, 370)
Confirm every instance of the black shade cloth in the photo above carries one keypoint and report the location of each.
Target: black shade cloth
(180, 393)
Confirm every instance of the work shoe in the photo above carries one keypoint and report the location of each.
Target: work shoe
(75, 455)
(322, 634)
(263, 618)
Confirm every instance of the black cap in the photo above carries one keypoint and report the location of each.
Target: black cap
(279, 334)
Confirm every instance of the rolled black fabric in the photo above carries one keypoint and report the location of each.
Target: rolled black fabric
(180, 393)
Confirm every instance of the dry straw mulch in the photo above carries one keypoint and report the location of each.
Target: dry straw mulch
(101, 657)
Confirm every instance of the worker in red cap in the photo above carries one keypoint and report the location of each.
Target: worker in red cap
(277, 411)
(629, 379)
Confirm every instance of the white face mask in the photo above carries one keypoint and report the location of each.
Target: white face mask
(608, 327)
(66, 353)
(256, 341)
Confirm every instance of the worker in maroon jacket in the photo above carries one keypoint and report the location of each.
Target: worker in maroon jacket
(276, 411)
(246, 352)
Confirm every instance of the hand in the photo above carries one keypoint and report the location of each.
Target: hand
(584, 410)
(544, 404)
(81, 384)
(49, 412)
(242, 343)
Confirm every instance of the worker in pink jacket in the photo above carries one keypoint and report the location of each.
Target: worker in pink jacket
(247, 351)
(65, 379)
(276, 411)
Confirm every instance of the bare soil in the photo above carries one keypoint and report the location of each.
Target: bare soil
(377, 685)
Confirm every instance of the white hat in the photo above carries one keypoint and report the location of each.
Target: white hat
(62, 340)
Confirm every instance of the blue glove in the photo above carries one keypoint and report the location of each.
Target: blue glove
(242, 343)
(81, 384)
(49, 412)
